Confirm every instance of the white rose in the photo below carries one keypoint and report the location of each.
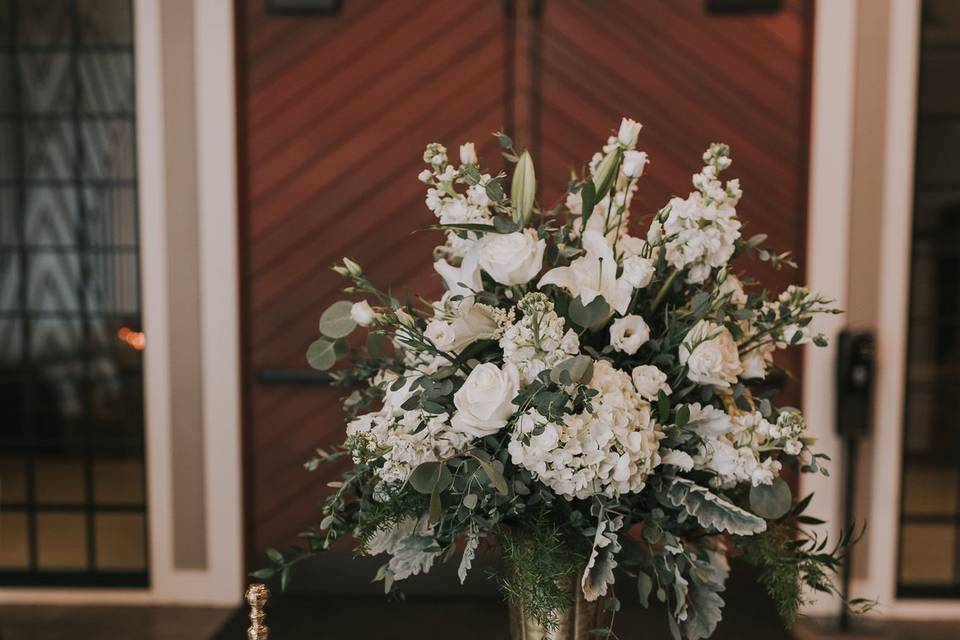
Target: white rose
(638, 271)
(650, 381)
(633, 163)
(628, 334)
(711, 356)
(441, 334)
(362, 313)
(756, 361)
(511, 258)
(629, 130)
(485, 401)
(468, 153)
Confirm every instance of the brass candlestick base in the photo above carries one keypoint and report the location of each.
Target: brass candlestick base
(256, 596)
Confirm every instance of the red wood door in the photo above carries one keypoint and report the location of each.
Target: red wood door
(334, 114)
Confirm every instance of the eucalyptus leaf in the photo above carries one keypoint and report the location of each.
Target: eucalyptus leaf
(579, 369)
(336, 321)
(495, 476)
(771, 501)
(644, 587)
(424, 477)
(591, 316)
(324, 352)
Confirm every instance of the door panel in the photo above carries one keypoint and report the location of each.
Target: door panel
(334, 114)
(691, 78)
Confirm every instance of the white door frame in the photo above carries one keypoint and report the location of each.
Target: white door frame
(221, 582)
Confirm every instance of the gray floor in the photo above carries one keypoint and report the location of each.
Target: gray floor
(879, 630)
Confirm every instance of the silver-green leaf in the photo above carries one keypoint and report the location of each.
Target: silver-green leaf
(771, 501)
(336, 321)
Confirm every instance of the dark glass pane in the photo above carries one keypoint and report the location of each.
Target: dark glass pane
(61, 541)
(51, 216)
(106, 82)
(49, 150)
(44, 22)
(9, 282)
(7, 95)
(121, 541)
(14, 540)
(51, 85)
(111, 217)
(54, 282)
(105, 21)
(108, 150)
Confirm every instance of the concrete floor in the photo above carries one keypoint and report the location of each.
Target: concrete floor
(111, 623)
(812, 629)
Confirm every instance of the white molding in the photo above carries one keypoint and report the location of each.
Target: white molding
(828, 230)
(219, 291)
(221, 583)
(896, 222)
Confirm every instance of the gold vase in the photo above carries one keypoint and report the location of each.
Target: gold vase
(573, 623)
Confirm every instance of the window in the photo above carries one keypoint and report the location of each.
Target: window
(929, 563)
(72, 496)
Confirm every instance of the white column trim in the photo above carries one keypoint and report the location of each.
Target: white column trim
(219, 291)
(896, 224)
(828, 230)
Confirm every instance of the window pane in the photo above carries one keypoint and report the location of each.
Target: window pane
(928, 555)
(61, 541)
(118, 481)
(105, 21)
(59, 480)
(14, 541)
(120, 541)
(13, 480)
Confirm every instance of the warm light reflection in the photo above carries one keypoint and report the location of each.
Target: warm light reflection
(134, 339)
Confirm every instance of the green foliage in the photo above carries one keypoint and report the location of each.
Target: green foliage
(711, 511)
(336, 321)
(771, 501)
(540, 561)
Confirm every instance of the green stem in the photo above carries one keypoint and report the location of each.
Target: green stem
(663, 290)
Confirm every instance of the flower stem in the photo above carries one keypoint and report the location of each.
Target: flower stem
(663, 290)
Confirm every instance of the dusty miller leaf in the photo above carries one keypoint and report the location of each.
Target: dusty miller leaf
(710, 510)
(470, 545)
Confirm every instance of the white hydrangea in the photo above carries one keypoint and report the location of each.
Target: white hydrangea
(401, 438)
(611, 450)
(700, 232)
(537, 341)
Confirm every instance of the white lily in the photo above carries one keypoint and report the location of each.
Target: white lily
(592, 275)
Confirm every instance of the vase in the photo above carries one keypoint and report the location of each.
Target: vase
(573, 623)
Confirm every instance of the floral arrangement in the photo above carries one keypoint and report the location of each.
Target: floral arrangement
(581, 398)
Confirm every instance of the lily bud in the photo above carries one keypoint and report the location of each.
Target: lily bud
(523, 188)
(606, 172)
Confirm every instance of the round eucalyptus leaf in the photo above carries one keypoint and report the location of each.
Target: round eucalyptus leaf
(424, 477)
(336, 321)
(771, 501)
(590, 316)
(323, 353)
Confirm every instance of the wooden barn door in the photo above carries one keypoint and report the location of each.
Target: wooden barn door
(335, 111)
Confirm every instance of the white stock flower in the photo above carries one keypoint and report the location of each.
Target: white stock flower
(628, 334)
(637, 271)
(468, 153)
(628, 132)
(710, 354)
(362, 313)
(592, 275)
(537, 341)
(633, 163)
(731, 286)
(485, 401)
(649, 381)
(511, 258)
(680, 459)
